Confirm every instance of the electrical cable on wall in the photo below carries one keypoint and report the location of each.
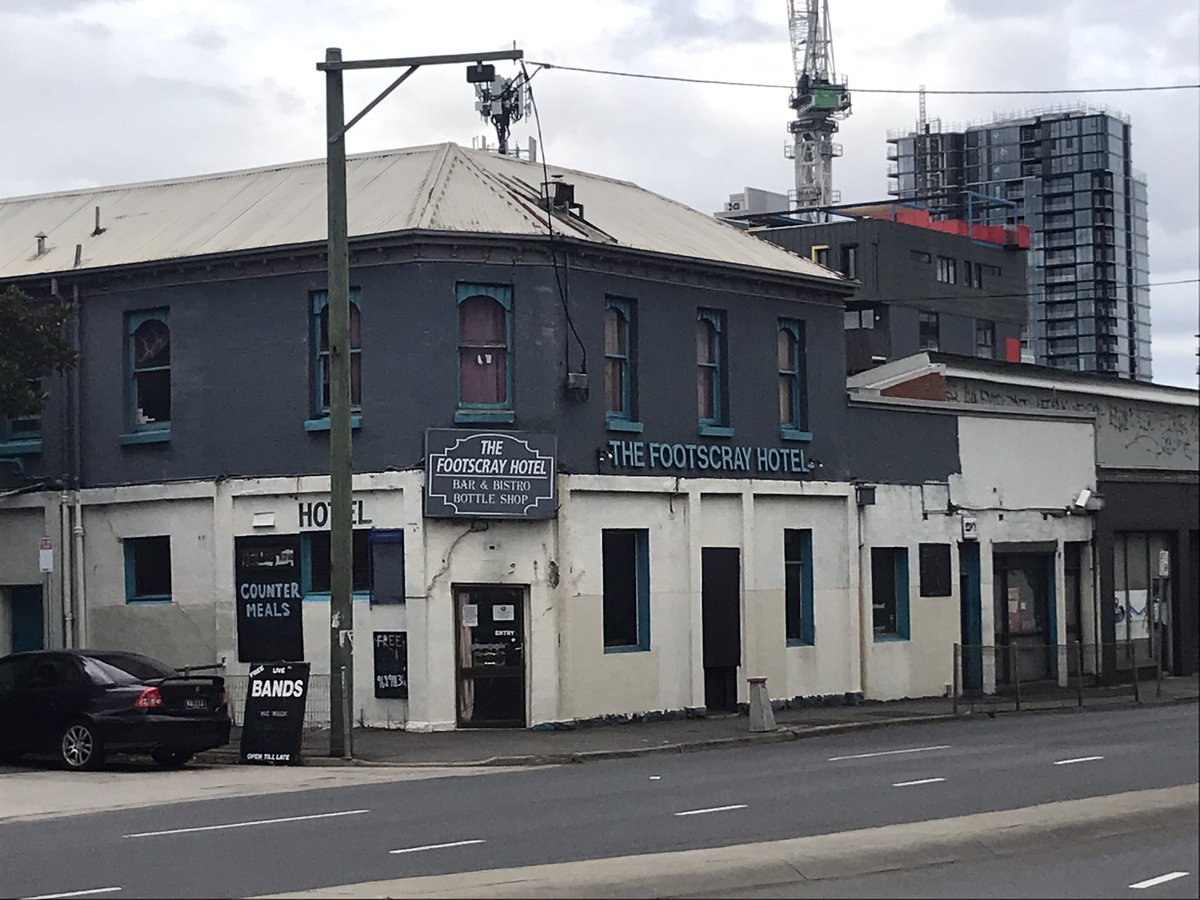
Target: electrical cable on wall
(558, 279)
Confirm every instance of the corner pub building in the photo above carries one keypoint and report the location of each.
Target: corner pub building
(605, 467)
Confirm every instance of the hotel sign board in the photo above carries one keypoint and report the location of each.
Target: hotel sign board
(490, 474)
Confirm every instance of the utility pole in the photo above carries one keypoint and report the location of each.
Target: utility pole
(341, 537)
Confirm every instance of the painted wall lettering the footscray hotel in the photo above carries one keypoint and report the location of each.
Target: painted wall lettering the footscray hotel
(709, 457)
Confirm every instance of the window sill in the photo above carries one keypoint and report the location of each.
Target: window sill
(484, 416)
(794, 434)
(636, 648)
(716, 430)
(323, 424)
(890, 638)
(136, 601)
(154, 436)
(21, 448)
(615, 424)
(800, 642)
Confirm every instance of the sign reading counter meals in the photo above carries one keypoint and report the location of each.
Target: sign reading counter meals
(490, 474)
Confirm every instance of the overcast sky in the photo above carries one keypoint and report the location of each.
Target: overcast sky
(109, 91)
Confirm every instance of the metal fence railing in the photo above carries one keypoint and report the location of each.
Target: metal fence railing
(316, 704)
(1017, 676)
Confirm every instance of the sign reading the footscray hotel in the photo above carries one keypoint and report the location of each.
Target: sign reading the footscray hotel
(719, 458)
(490, 474)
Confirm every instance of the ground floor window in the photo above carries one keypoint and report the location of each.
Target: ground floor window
(889, 592)
(798, 586)
(626, 563)
(315, 562)
(148, 570)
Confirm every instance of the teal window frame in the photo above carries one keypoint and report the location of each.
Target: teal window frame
(130, 548)
(716, 425)
(627, 419)
(375, 538)
(796, 429)
(467, 412)
(903, 631)
(145, 432)
(306, 559)
(641, 549)
(798, 587)
(22, 441)
(319, 420)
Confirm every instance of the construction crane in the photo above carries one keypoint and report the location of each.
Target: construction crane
(820, 102)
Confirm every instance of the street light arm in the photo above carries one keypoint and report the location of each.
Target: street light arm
(370, 106)
(334, 65)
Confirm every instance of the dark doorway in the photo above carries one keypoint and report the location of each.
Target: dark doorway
(720, 600)
(1025, 616)
(28, 618)
(491, 656)
(970, 616)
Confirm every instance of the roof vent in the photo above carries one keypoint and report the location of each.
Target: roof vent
(41, 243)
(561, 196)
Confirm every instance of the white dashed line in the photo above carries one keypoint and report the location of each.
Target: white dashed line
(438, 846)
(711, 809)
(1161, 879)
(87, 893)
(918, 781)
(348, 812)
(1078, 759)
(888, 753)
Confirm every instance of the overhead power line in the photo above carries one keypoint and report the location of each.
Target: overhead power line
(860, 90)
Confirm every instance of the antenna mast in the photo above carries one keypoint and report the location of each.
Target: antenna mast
(820, 102)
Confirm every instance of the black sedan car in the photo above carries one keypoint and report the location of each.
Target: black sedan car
(84, 704)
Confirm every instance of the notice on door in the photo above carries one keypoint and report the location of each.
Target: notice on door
(274, 716)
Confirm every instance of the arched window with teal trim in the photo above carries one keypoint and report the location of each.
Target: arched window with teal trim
(484, 353)
(320, 346)
(792, 380)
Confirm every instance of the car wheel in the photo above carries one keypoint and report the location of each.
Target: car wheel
(80, 747)
(170, 759)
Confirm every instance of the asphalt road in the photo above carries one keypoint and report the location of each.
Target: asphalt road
(1102, 867)
(288, 842)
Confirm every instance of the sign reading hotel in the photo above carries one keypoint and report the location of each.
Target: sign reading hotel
(723, 458)
(490, 474)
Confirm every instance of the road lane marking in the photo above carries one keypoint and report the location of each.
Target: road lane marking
(438, 846)
(1161, 879)
(348, 812)
(888, 753)
(74, 894)
(1078, 759)
(918, 781)
(656, 778)
(711, 809)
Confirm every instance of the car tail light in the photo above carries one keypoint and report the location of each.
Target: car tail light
(224, 698)
(148, 699)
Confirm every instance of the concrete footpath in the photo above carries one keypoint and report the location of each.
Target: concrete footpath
(514, 747)
(714, 871)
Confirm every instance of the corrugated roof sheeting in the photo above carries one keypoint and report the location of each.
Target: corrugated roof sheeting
(440, 187)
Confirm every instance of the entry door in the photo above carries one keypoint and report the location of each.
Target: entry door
(491, 656)
(1024, 609)
(28, 622)
(971, 618)
(721, 614)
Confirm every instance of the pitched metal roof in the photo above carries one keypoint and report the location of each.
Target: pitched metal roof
(440, 187)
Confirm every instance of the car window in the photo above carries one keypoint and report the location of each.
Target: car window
(45, 672)
(11, 670)
(101, 673)
(140, 668)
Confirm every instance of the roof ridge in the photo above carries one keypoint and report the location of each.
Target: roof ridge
(436, 181)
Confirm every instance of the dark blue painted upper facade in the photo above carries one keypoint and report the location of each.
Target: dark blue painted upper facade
(243, 345)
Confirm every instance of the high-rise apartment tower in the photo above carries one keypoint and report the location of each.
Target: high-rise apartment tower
(1067, 174)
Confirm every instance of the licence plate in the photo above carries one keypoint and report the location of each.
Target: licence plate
(195, 703)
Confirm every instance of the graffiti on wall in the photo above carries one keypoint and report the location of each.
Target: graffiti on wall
(1128, 433)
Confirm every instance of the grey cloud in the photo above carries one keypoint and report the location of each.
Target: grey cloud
(207, 39)
(681, 24)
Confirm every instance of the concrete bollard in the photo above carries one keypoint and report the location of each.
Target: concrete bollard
(762, 717)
